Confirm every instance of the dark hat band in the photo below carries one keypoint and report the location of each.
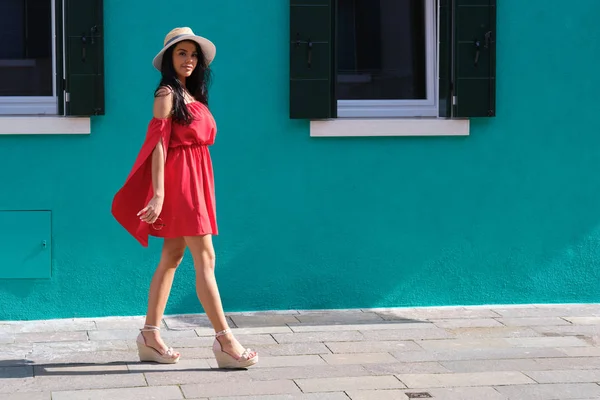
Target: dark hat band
(176, 37)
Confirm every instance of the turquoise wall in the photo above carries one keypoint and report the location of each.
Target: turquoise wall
(510, 214)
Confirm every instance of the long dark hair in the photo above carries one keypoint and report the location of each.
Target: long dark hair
(197, 84)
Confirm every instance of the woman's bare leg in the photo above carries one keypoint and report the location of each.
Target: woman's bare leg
(203, 253)
(160, 288)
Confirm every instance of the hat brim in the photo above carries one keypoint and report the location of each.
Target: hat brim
(208, 49)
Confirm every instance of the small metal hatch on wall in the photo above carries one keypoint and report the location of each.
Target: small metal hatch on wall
(25, 244)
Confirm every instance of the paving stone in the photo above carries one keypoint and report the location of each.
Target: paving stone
(281, 361)
(467, 393)
(358, 358)
(16, 372)
(560, 391)
(247, 331)
(307, 396)
(240, 389)
(71, 382)
(372, 346)
(15, 351)
(183, 364)
(57, 348)
(407, 334)
(476, 354)
(366, 326)
(447, 344)
(175, 322)
(434, 313)
(568, 330)
(196, 352)
(382, 394)
(493, 332)
(26, 396)
(131, 334)
(7, 338)
(581, 351)
(567, 363)
(405, 368)
(342, 336)
(292, 349)
(313, 371)
(565, 376)
(139, 393)
(583, 320)
(489, 365)
(548, 311)
(337, 318)
(207, 341)
(532, 342)
(53, 325)
(348, 383)
(568, 341)
(244, 321)
(120, 323)
(266, 312)
(464, 379)
(460, 393)
(466, 323)
(182, 377)
(61, 336)
(340, 311)
(84, 357)
(532, 321)
(79, 370)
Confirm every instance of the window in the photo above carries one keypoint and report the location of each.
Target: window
(51, 57)
(27, 63)
(385, 58)
(392, 58)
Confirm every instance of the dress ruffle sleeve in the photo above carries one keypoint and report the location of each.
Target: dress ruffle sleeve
(137, 189)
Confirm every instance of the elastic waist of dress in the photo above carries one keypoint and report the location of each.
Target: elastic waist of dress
(180, 146)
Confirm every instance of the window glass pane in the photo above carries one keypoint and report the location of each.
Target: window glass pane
(381, 50)
(26, 48)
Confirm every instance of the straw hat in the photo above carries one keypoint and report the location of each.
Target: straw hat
(179, 34)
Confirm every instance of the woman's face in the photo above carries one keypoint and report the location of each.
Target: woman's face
(185, 59)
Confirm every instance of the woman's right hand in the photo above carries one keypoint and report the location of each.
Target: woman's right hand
(151, 212)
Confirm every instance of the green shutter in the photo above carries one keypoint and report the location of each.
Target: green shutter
(445, 60)
(84, 57)
(474, 58)
(312, 61)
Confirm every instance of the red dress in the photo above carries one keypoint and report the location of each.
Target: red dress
(189, 203)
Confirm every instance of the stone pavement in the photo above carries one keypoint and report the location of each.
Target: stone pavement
(509, 352)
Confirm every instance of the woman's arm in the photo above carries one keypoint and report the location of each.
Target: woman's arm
(163, 105)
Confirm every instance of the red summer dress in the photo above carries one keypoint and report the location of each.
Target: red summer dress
(189, 202)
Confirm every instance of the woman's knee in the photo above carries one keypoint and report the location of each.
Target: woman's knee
(206, 259)
(173, 258)
(202, 251)
(172, 254)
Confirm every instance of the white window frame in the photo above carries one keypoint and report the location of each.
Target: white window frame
(35, 105)
(405, 108)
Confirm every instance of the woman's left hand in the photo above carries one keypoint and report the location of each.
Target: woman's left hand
(151, 212)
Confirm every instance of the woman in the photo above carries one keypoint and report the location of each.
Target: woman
(169, 193)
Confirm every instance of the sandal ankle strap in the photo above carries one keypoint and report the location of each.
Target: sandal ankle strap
(223, 332)
(148, 328)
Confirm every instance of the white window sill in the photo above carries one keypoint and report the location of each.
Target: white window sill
(44, 125)
(390, 127)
